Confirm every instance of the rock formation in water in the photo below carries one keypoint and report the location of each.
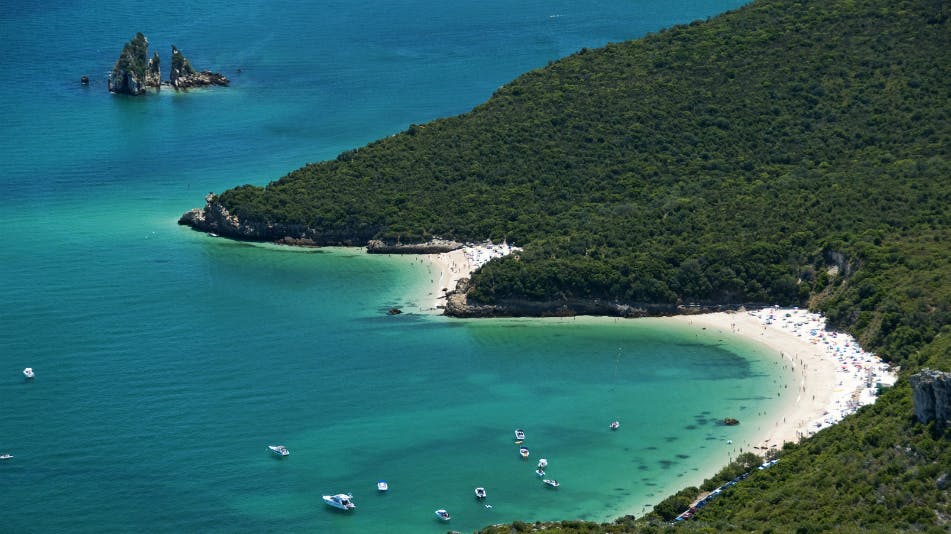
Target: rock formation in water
(130, 75)
(932, 394)
(153, 72)
(133, 73)
(183, 76)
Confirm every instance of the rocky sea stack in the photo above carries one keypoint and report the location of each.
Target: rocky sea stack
(134, 72)
(183, 76)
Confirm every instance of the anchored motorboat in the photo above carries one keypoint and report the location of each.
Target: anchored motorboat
(551, 482)
(279, 450)
(519, 434)
(382, 485)
(542, 463)
(28, 372)
(343, 501)
(615, 425)
(480, 493)
(442, 515)
(523, 451)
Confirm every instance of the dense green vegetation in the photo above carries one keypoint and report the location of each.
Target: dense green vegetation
(791, 152)
(134, 56)
(180, 64)
(726, 161)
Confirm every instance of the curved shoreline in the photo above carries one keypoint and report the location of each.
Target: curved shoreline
(833, 375)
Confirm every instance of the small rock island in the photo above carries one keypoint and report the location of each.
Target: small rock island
(134, 72)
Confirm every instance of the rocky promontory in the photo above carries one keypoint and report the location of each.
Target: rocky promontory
(215, 218)
(134, 72)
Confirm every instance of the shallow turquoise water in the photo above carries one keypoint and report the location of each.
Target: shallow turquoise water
(167, 360)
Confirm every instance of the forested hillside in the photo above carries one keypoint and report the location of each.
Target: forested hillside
(790, 152)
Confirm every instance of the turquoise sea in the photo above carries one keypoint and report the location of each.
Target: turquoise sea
(166, 360)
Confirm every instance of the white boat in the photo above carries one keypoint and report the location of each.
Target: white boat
(28, 372)
(615, 425)
(551, 482)
(5, 456)
(344, 501)
(279, 450)
(442, 515)
(542, 463)
(519, 434)
(523, 451)
(382, 485)
(540, 472)
(480, 493)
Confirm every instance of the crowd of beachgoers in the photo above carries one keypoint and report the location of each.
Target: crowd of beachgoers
(461, 263)
(858, 374)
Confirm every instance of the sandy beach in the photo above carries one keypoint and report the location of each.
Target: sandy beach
(831, 375)
(460, 263)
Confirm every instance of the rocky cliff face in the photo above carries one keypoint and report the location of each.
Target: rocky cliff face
(932, 395)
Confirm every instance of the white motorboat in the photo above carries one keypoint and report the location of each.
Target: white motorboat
(480, 493)
(382, 485)
(5, 456)
(540, 472)
(551, 482)
(542, 463)
(519, 434)
(28, 372)
(343, 501)
(442, 515)
(523, 451)
(279, 450)
(615, 425)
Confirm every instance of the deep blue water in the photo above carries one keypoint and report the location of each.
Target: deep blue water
(167, 360)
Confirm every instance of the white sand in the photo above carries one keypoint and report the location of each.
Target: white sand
(461, 263)
(834, 376)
